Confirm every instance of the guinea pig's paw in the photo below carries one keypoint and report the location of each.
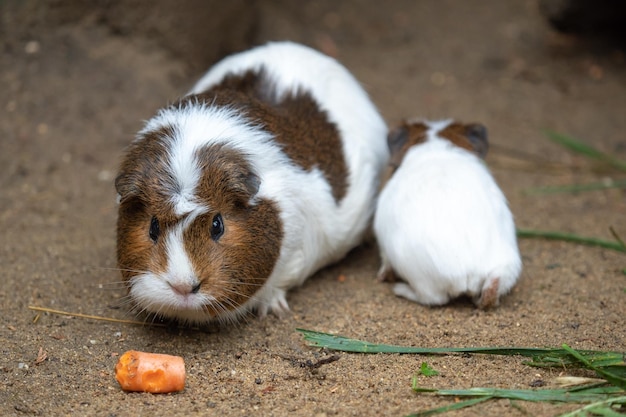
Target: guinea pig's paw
(489, 296)
(405, 290)
(276, 304)
(386, 272)
(426, 297)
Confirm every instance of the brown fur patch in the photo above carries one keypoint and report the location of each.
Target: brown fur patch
(235, 266)
(399, 141)
(227, 178)
(144, 173)
(472, 137)
(412, 134)
(136, 252)
(307, 136)
(143, 184)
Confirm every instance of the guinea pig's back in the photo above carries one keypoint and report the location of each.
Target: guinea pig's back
(449, 208)
(293, 67)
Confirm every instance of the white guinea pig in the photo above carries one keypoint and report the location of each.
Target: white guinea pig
(265, 172)
(441, 222)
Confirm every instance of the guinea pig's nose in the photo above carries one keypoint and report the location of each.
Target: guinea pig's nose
(184, 288)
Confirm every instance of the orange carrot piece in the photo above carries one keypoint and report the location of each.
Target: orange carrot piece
(150, 372)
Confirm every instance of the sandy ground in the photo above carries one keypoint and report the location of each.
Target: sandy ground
(76, 83)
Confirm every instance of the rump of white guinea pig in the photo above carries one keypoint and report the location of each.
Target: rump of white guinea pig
(442, 223)
(265, 172)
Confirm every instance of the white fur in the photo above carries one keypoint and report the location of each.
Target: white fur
(444, 226)
(317, 230)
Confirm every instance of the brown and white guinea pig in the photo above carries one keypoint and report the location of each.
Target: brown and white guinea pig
(442, 223)
(265, 172)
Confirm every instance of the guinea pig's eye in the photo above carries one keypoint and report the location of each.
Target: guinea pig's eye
(217, 227)
(154, 229)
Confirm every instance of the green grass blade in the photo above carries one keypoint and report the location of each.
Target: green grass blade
(613, 378)
(609, 365)
(427, 370)
(345, 344)
(450, 407)
(612, 363)
(526, 233)
(599, 408)
(603, 411)
(600, 388)
(542, 395)
(562, 358)
(584, 149)
(576, 188)
(574, 145)
(599, 404)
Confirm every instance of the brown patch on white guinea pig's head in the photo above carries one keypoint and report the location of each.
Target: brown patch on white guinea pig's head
(470, 136)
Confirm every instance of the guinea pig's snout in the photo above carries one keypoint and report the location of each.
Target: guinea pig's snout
(185, 288)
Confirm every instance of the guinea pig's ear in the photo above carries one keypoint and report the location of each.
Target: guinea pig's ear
(245, 184)
(396, 141)
(477, 135)
(252, 183)
(397, 138)
(127, 187)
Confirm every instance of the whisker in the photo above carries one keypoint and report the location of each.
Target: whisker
(136, 271)
(233, 291)
(234, 306)
(84, 316)
(127, 302)
(118, 269)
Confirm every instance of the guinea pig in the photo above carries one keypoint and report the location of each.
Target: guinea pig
(442, 223)
(266, 171)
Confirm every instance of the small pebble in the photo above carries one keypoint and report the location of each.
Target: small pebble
(32, 47)
(105, 175)
(42, 128)
(438, 79)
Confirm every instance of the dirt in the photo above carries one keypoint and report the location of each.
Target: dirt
(76, 81)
